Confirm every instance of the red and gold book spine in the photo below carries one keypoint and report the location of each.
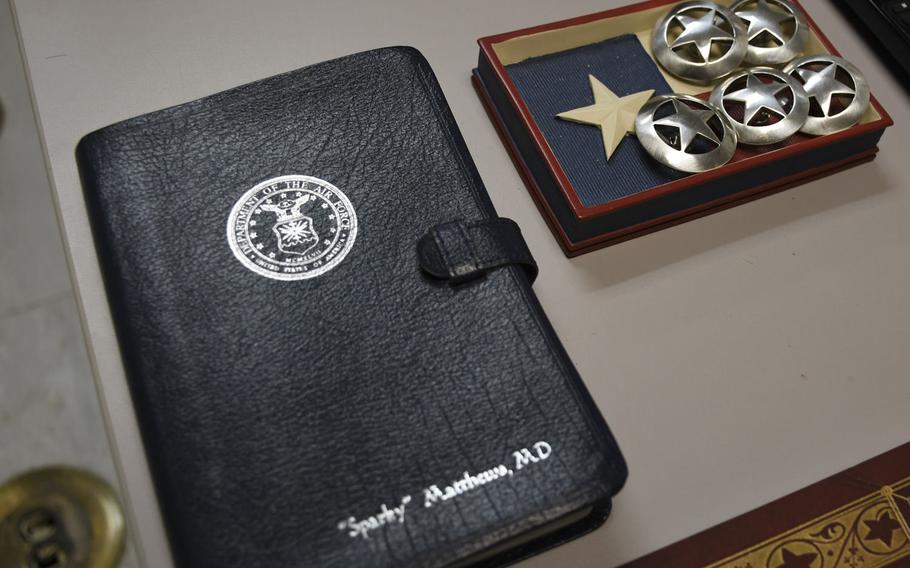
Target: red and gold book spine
(859, 518)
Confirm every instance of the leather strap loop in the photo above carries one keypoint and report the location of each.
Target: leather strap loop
(458, 251)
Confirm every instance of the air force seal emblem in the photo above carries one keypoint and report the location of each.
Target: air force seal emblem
(292, 227)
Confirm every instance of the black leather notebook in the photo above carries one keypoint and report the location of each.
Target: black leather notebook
(334, 352)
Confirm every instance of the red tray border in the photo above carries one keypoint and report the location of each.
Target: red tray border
(582, 212)
(576, 248)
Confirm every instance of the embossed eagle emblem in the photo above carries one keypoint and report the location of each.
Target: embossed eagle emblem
(294, 230)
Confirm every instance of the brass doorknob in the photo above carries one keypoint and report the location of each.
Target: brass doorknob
(59, 517)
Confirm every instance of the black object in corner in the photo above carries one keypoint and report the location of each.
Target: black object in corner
(886, 25)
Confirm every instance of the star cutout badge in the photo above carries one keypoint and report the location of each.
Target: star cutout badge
(690, 123)
(837, 91)
(763, 105)
(685, 133)
(823, 86)
(758, 95)
(699, 41)
(615, 116)
(776, 31)
(702, 32)
(763, 19)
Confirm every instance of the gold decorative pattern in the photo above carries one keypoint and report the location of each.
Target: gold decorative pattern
(871, 532)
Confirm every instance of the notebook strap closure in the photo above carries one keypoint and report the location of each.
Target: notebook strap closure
(459, 251)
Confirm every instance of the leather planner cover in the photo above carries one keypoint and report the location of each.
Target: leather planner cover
(331, 340)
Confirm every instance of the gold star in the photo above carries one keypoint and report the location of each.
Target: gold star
(614, 115)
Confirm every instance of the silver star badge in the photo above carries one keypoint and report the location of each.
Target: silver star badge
(837, 90)
(823, 86)
(764, 19)
(757, 95)
(764, 105)
(699, 41)
(690, 135)
(702, 32)
(690, 123)
(777, 30)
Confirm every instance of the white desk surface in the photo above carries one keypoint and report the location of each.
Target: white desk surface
(737, 357)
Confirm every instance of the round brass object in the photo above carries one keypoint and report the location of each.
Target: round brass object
(59, 517)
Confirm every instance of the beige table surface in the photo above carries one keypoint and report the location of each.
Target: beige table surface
(737, 358)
